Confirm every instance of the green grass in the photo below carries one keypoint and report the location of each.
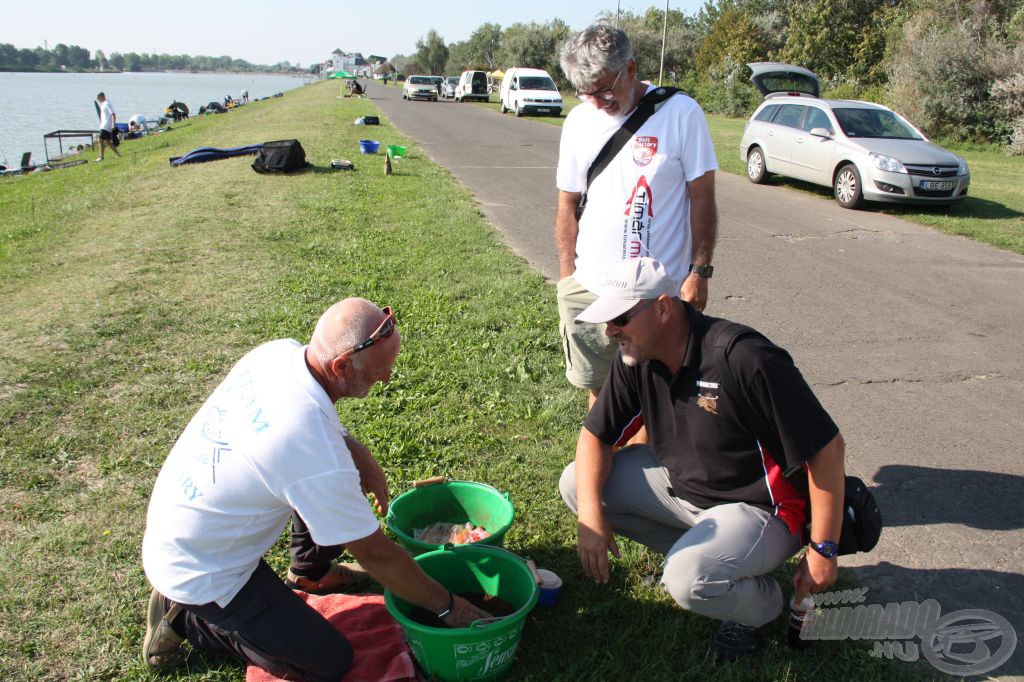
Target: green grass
(129, 288)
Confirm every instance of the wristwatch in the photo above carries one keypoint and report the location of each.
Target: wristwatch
(451, 603)
(702, 270)
(826, 549)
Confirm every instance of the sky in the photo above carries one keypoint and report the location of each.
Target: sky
(270, 31)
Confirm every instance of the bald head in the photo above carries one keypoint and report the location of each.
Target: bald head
(342, 326)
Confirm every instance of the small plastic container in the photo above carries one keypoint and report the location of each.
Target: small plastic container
(396, 151)
(369, 146)
(550, 587)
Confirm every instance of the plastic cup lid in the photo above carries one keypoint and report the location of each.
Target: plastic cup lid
(549, 579)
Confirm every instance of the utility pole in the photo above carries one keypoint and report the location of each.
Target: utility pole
(617, 4)
(664, 33)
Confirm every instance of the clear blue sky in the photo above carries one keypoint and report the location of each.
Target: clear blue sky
(271, 31)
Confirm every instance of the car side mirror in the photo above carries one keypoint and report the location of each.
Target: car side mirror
(821, 132)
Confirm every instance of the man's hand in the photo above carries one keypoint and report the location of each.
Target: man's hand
(463, 613)
(695, 291)
(595, 541)
(371, 476)
(814, 574)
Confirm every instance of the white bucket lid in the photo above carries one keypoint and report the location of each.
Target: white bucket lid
(549, 579)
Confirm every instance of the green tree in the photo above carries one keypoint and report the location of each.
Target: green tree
(484, 46)
(100, 59)
(735, 38)
(432, 53)
(536, 46)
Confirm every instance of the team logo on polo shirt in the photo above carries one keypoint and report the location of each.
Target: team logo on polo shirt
(706, 399)
(644, 149)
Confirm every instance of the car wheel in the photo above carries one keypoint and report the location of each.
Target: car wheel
(501, 106)
(756, 171)
(846, 187)
(519, 110)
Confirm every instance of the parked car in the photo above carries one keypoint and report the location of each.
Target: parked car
(864, 151)
(472, 85)
(448, 88)
(419, 87)
(529, 91)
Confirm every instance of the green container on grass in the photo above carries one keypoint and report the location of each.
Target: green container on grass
(396, 151)
(453, 502)
(485, 649)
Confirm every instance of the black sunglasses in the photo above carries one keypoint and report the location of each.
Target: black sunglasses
(625, 318)
(386, 329)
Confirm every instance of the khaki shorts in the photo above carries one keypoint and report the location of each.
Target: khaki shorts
(588, 351)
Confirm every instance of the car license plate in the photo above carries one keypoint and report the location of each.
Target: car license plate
(936, 185)
(543, 111)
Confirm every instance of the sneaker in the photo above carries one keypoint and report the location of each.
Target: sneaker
(99, 159)
(734, 640)
(162, 648)
(339, 577)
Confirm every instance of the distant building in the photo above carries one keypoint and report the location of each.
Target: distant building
(352, 62)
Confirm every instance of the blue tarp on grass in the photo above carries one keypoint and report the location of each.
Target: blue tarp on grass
(213, 153)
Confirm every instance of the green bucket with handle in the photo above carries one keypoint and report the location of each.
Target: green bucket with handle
(484, 650)
(458, 502)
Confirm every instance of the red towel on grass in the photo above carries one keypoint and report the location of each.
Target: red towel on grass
(381, 654)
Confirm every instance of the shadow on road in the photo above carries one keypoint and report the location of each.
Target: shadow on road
(913, 496)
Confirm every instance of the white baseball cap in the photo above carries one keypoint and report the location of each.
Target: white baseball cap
(628, 283)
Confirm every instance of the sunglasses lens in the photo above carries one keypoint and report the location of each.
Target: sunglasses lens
(387, 328)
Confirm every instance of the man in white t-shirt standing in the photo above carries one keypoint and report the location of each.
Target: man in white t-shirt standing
(266, 447)
(108, 120)
(655, 198)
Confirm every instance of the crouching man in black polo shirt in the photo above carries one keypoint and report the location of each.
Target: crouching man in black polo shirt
(706, 492)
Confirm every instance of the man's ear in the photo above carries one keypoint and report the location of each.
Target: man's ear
(338, 365)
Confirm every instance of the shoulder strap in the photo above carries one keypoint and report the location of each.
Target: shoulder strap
(649, 104)
(727, 334)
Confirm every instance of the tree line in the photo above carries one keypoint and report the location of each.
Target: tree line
(955, 68)
(75, 58)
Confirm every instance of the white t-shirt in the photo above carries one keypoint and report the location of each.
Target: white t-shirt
(638, 206)
(266, 442)
(139, 120)
(106, 115)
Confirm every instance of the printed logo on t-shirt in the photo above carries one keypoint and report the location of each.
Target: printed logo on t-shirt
(644, 149)
(707, 400)
(636, 232)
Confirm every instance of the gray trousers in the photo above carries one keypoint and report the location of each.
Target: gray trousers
(716, 560)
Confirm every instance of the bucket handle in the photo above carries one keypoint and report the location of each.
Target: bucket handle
(484, 622)
(424, 482)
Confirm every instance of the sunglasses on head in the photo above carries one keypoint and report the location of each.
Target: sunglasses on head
(602, 94)
(624, 319)
(386, 329)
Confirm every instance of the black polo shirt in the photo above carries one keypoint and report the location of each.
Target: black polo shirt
(694, 427)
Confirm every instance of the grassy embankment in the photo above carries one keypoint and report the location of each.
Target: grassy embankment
(129, 288)
(993, 213)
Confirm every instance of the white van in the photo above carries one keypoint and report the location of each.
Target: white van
(472, 85)
(529, 91)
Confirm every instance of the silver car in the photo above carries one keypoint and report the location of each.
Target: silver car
(419, 87)
(863, 151)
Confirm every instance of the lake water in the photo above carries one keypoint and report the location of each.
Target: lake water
(32, 104)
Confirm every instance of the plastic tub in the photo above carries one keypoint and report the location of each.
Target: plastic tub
(369, 146)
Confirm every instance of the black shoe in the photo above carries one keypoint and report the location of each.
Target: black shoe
(734, 640)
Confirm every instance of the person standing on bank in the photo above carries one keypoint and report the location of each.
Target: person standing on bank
(108, 122)
(656, 196)
(707, 493)
(268, 446)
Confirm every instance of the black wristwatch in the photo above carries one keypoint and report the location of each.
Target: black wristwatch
(451, 603)
(826, 549)
(702, 270)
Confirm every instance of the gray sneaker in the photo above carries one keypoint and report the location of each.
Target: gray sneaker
(339, 578)
(162, 648)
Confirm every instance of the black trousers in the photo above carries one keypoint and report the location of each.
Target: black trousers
(266, 624)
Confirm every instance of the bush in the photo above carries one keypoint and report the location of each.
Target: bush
(727, 91)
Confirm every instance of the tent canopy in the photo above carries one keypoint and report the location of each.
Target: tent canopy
(497, 73)
(341, 74)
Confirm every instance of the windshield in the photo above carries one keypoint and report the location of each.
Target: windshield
(420, 80)
(874, 123)
(453, 80)
(536, 83)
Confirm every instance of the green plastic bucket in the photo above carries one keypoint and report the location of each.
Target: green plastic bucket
(453, 502)
(484, 650)
(396, 151)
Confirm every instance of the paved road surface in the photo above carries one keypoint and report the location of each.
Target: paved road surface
(913, 340)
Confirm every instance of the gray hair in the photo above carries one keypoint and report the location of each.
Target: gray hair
(597, 49)
(341, 327)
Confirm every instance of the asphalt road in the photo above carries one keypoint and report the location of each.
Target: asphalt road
(913, 340)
